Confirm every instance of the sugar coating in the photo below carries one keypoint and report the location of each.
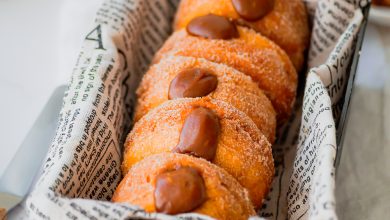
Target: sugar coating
(252, 54)
(242, 150)
(227, 199)
(233, 87)
(286, 24)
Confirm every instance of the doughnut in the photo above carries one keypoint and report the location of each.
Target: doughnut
(208, 107)
(381, 2)
(168, 79)
(210, 129)
(250, 53)
(283, 21)
(175, 183)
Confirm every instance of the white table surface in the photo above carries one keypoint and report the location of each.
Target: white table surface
(29, 62)
(35, 48)
(363, 179)
(39, 43)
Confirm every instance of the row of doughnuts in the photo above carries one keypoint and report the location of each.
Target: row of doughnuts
(209, 106)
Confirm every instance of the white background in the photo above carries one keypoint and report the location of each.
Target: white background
(29, 41)
(39, 43)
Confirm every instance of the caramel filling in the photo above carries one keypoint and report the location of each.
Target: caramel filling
(213, 27)
(179, 191)
(252, 10)
(199, 135)
(192, 83)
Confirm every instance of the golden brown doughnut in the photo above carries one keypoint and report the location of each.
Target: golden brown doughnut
(283, 21)
(240, 148)
(252, 54)
(381, 2)
(232, 86)
(143, 186)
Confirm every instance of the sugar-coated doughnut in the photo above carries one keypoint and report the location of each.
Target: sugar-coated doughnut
(250, 53)
(381, 2)
(283, 21)
(208, 107)
(176, 183)
(210, 129)
(231, 86)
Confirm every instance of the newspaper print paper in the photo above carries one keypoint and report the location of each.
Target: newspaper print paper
(82, 165)
(330, 59)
